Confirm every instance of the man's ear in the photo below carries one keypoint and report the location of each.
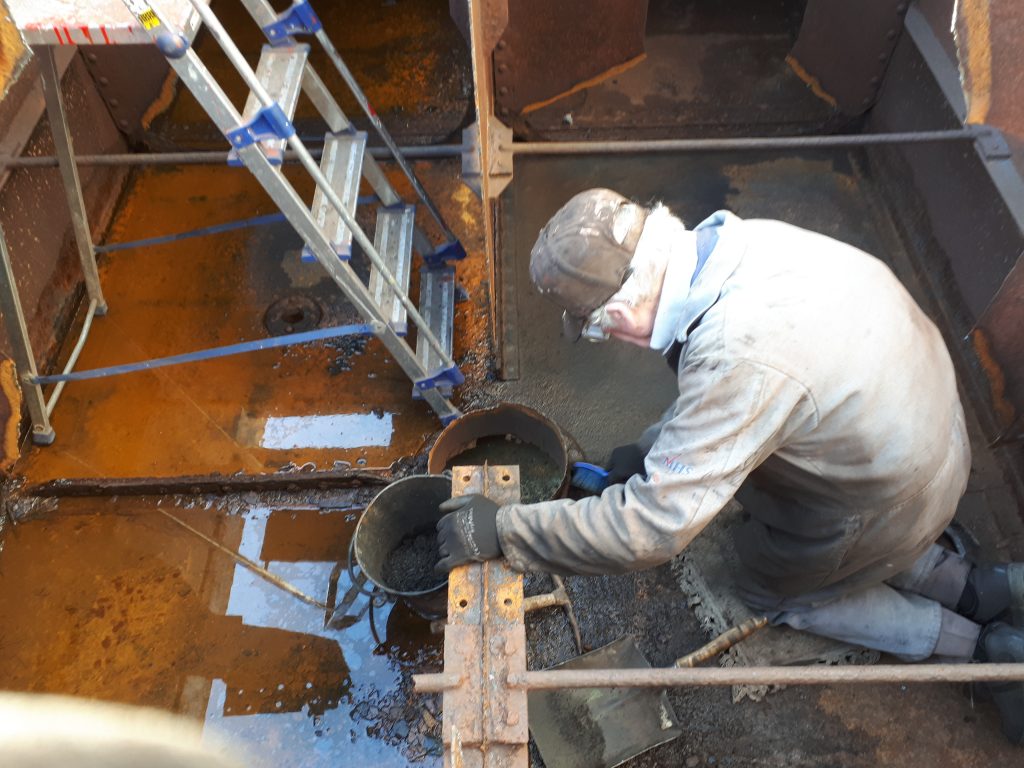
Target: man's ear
(622, 315)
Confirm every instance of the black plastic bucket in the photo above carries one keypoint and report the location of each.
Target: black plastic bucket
(509, 420)
(407, 507)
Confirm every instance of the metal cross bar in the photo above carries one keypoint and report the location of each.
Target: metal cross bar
(740, 144)
(809, 675)
(211, 157)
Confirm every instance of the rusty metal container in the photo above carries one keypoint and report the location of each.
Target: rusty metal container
(508, 420)
(405, 507)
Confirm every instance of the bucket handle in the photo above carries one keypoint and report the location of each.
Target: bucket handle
(376, 594)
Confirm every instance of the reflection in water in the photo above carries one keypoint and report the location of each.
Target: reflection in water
(356, 707)
(340, 430)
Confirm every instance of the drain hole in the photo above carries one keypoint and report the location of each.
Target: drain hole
(292, 314)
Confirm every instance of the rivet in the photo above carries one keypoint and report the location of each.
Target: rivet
(92, 57)
(503, 90)
(104, 81)
(502, 45)
(512, 718)
(875, 80)
(891, 34)
(123, 123)
(866, 101)
(115, 103)
(503, 68)
(883, 57)
(901, 8)
(503, 111)
(510, 647)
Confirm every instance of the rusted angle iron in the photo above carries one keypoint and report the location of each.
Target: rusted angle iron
(215, 484)
(484, 720)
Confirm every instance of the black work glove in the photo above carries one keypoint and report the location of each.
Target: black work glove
(625, 461)
(468, 533)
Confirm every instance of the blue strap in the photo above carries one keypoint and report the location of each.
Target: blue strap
(256, 221)
(208, 354)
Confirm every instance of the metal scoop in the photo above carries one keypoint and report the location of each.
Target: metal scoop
(601, 727)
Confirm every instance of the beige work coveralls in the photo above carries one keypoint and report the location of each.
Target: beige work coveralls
(805, 359)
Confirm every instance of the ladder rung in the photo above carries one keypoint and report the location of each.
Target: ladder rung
(393, 241)
(437, 305)
(280, 73)
(342, 166)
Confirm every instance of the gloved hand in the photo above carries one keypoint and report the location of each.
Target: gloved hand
(468, 533)
(625, 461)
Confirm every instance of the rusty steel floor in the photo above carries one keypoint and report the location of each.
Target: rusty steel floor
(232, 415)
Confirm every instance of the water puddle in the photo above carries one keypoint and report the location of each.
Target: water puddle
(341, 430)
(111, 600)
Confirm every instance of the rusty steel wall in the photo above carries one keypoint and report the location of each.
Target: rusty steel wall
(34, 212)
(844, 49)
(549, 49)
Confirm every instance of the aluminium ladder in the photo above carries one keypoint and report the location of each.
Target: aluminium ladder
(259, 136)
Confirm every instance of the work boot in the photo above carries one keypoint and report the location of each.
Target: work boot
(993, 591)
(1004, 644)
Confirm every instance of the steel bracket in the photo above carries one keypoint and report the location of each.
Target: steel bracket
(444, 378)
(269, 123)
(300, 19)
(991, 143)
(499, 157)
(450, 251)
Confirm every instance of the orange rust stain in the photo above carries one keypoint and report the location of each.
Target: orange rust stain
(10, 414)
(589, 83)
(812, 82)
(996, 378)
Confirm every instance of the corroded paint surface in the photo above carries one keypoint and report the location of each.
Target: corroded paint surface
(408, 58)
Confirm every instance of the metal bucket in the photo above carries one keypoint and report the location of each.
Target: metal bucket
(406, 507)
(520, 422)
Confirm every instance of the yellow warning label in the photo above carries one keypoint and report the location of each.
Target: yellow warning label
(149, 19)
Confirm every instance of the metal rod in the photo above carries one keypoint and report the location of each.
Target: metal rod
(343, 70)
(65, 151)
(547, 680)
(809, 675)
(723, 642)
(217, 31)
(256, 568)
(21, 348)
(734, 145)
(73, 358)
(211, 157)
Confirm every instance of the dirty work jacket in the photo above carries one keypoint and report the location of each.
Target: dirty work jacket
(805, 359)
